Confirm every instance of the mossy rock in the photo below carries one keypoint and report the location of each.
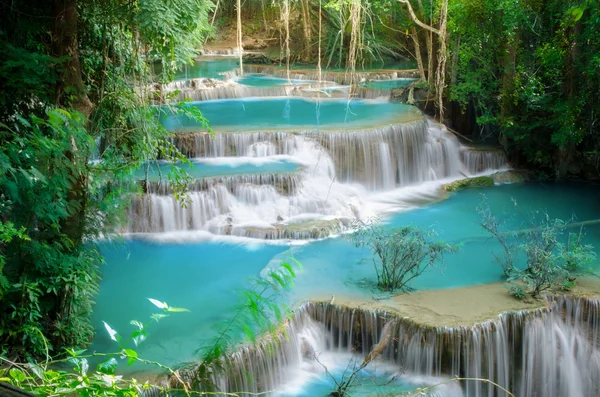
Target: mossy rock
(512, 176)
(480, 181)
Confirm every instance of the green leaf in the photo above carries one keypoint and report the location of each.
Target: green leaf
(18, 375)
(37, 370)
(159, 304)
(108, 367)
(139, 336)
(131, 356)
(112, 333)
(137, 324)
(176, 310)
(158, 316)
(289, 269)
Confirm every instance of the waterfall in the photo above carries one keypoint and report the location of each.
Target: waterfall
(340, 170)
(234, 144)
(219, 51)
(267, 209)
(205, 89)
(379, 158)
(477, 161)
(410, 153)
(342, 77)
(285, 184)
(549, 352)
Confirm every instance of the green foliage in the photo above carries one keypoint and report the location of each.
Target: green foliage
(261, 312)
(65, 178)
(43, 378)
(548, 262)
(48, 279)
(480, 181)
(401, 255)
(530, 70)
(492, 225)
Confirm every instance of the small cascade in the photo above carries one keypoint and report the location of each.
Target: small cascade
(478, 160)
(258, 210)
(285, 184)
(380, 158)
(397, 155)
(342, 77)
(340, 170)
(551, 352)
(206, 89)
(254, 144)
(219, 51)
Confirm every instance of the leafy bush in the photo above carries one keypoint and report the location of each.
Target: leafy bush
(401, 255)
(45, 379)
(493, 226)
(256, 314)
(549, 261)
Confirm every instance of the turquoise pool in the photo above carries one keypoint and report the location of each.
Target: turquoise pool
(264, 80)
(387, 84)
(258, 114)
(204, 169)
(206, 277)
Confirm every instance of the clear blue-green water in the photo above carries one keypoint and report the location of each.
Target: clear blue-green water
(206, 277)
(215, 67)
(400, 64)
(264, 80)
(203, 169)
(204, 67)
(208, 68)
(377, 379)
(387, 84)
(291, 113)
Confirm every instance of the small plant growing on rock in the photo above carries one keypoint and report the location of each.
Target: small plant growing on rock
(401, 255)
(549, 262)
(492, 225)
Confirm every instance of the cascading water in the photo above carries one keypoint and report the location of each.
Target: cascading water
(550, 352)
(340, 77)
(477, 161)
(341, 169)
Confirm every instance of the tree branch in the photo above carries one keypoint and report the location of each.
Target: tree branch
(416, 19)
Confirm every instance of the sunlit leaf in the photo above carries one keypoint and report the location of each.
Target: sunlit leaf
(159, 304)
(108, 367)
(131, 356)
(112, 333)
(176, 310)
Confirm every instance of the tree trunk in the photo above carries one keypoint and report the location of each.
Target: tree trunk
(454, 65)
(70, 94)
(239, 35)
(307, 29)
(70, 90)
(264, 15)
(415, 38)
(442, 57)
(430, 59)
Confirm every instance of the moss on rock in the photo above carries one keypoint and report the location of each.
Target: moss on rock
(480, 181)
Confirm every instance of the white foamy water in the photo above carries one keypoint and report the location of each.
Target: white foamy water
(346, 177)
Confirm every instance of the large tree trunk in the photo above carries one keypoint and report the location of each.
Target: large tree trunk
(70, 91)
(239, 36)
(415, 38)
(440, 83)
(430, 59)
(307, 30)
